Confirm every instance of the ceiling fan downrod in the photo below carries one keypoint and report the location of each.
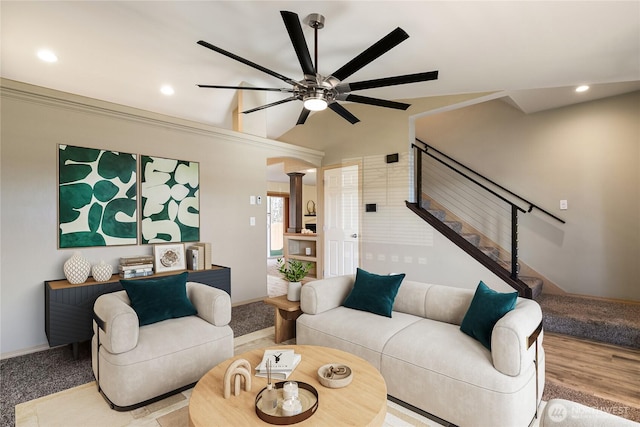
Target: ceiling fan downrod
(315, 21)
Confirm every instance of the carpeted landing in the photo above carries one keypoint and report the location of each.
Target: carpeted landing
(612, 322)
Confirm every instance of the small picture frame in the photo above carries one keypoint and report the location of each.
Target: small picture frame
(169, 257)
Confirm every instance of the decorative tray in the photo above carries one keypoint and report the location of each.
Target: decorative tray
(335, 375)
(308, 397)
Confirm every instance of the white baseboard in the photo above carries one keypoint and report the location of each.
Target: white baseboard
(22, 352)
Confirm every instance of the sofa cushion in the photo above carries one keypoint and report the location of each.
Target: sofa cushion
(374, 293)
(355, 331)
(160, 299)
(487, 307)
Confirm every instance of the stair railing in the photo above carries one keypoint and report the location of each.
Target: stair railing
(474, 177)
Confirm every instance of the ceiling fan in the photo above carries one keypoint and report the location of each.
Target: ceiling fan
(319, 92)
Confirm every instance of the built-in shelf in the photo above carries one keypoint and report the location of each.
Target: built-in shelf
(304, 247)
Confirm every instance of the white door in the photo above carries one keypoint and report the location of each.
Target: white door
(341, 201)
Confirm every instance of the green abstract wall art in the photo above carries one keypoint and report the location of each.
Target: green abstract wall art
(170, 191)
(97, 197)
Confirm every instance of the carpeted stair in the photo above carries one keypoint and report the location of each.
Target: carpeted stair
(534, 283)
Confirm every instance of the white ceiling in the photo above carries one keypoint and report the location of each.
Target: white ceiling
(122, 51)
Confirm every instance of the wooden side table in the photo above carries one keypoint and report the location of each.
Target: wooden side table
(285, 319)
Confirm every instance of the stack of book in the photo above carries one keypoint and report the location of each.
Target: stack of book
(199, 256)
(136, 266)
(283, 362)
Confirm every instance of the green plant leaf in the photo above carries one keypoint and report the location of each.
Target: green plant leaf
(293, 270)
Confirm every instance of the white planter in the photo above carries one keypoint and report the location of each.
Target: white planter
(77, 269)
(101, 272)
(293, 293)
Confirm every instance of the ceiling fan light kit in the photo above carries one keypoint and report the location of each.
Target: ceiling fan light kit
(315, 102)
(317, 91)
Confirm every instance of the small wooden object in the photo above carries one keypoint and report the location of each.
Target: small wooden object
(285, 319)
(235, 372)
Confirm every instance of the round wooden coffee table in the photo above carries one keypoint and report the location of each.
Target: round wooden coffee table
(361, 403)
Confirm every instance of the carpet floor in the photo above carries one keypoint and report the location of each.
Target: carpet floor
(84, 406)
(32, 376)
(35, 375)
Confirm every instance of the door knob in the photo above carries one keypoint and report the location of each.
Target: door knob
(354, 235)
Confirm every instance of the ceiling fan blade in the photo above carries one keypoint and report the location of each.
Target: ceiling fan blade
(247, 88)
(389, 81)
(344, 113)
(292, 22)
(303, 116)
(247, 62)
(377, 102)
(273, 104)
(376, 50)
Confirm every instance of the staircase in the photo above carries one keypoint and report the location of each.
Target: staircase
(477, 245)
(475, 212)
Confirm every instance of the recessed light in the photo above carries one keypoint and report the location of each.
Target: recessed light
(582, 88)
(47, 56)
(167, 90)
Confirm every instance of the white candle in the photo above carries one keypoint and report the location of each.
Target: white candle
(291, 407)
(289, 390)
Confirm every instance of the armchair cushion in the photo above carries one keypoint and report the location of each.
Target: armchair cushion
(121, 322)
(160, 299)
(213, 304)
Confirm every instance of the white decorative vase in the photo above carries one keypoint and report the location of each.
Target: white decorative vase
(293, 293)
(101, 272)
(77, 269)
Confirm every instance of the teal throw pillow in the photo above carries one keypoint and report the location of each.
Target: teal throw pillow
(487, 307)
(159, 299)
(374, 293)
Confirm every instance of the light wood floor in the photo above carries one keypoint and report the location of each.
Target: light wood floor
(602, 370)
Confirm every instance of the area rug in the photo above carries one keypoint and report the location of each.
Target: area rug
(84, 406)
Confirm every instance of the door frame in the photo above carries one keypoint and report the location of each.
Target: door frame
(285, 224)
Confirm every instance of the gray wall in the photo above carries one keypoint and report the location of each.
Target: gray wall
(35, 120)
(393, 239)
(587, 154)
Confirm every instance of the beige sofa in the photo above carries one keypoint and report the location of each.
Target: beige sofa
(138, 364)
(426, 360)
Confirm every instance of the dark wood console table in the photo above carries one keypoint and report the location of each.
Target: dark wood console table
(68, 309)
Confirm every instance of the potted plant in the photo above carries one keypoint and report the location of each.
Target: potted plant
(293, 271)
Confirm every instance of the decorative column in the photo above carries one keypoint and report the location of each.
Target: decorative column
(295, 202)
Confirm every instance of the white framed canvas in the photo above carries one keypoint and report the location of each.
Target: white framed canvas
(170, 202)
(169, 257)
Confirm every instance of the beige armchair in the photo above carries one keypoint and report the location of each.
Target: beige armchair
(136, 365)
